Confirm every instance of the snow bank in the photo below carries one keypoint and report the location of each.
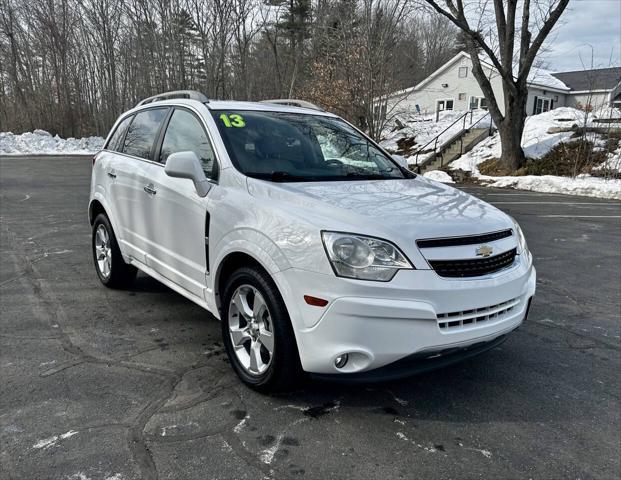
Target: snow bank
(613, 162)
(42, 142)
(581, 185)
(537, 141)
(438, 176)
(609, 113)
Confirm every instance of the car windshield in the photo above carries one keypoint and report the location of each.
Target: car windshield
(296, 147)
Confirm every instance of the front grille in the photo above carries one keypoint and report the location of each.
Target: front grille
(470, 318)
(468, 240)
(475, 267)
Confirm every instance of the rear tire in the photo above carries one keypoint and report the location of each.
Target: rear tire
(254, 317)
(109, 264)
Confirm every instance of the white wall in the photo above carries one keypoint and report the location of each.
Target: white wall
(596, 100)
(427, 97)
(558, 99)
(433, 91)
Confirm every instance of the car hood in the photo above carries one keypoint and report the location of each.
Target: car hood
(419, 206)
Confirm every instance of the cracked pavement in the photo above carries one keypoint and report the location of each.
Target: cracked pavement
(119, 385)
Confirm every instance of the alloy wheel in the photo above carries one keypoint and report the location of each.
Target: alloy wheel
(103, 251)
(251, 329)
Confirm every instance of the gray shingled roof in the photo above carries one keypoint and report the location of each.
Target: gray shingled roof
(599, 79)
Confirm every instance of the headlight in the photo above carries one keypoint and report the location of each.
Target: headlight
(364, 258)
(522, 247)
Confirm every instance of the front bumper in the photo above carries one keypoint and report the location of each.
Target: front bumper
(414, 364)
(378, 324)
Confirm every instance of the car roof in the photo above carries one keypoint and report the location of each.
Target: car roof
(234, 105)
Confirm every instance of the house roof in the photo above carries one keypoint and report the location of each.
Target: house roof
(598, 79)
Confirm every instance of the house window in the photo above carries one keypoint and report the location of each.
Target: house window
(463, 72)
(462, 96)
(542, 104)
(478, 103)
(444, 105)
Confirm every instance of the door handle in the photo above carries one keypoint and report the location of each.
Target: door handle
(112, 174)
(150, 189)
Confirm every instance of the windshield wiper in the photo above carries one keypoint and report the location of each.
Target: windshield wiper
(370, 176)
(277, 176)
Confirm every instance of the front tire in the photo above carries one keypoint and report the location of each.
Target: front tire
(257, 332)
(109, 264)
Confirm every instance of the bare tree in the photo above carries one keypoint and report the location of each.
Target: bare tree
(528, 22)
(71, 66)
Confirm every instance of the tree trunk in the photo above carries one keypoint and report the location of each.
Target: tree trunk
(511, 129)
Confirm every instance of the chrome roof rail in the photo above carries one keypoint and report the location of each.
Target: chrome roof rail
(293, 102)
(189, 94)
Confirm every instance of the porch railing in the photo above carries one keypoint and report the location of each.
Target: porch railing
(458, 136)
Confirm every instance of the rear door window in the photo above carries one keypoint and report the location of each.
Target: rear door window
(114, 143)
(185, 133)
(143, 131)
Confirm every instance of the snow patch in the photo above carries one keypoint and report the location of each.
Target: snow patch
(438, 176)
(613, 162)
(267, 455)
(42, 142)
(51, 441)
(241, 425)
(545, 78)
(585, 185)
(605, 112)
(79, 476)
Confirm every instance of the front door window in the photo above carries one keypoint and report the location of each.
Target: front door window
(185, 132)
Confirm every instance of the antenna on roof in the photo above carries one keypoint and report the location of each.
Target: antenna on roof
(189, 94)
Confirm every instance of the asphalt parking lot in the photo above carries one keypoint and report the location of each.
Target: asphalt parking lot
(119, 385)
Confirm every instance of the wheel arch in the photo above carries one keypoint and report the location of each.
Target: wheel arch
(231, 262)
(98, 205)
(94, 209)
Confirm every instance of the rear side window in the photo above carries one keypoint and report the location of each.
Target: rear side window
(117, 137)
(142, 132)
(185, 133)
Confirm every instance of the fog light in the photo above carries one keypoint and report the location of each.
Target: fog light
(341, 360)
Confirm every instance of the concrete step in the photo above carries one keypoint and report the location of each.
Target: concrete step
(453, 151)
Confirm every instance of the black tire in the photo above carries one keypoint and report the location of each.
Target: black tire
(284, 372)
(120, 275)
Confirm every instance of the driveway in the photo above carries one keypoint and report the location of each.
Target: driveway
(105, 384)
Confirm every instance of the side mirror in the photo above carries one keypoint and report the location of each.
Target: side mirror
(187, 165)
(402, 161)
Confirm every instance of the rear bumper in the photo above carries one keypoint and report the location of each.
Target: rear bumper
(378, 325)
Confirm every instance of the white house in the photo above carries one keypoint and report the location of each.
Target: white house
(453, 87)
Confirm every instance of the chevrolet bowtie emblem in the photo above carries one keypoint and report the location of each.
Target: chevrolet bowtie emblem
(484, 251)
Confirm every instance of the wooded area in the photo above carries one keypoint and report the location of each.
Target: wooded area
(72, 66)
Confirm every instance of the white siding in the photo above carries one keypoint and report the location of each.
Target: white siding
(434, 90)
(427, 96)
(558, 99)
(595, 100)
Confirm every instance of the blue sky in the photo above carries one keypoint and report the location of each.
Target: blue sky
(586, 24)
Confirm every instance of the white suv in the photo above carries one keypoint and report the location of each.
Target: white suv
(318, 252)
